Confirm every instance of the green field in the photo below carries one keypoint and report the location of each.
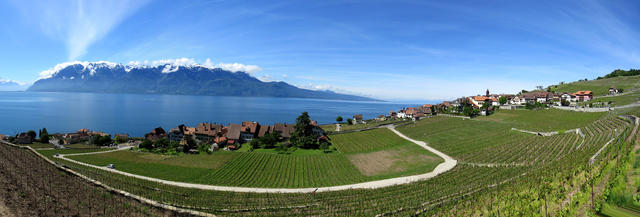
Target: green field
(544, 120)
(369, 124)
(366, 141)
(599, 87)
(381, 154)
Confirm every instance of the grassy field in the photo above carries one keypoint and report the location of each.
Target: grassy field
(50, 153)
(544, 120)
(364, 156)
(600, 87)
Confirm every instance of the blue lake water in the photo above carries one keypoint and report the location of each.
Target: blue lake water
(137, 114)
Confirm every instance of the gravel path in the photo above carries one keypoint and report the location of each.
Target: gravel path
(448, 164)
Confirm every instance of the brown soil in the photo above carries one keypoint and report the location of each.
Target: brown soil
(4, 211)
(388, 161)
(30, 186)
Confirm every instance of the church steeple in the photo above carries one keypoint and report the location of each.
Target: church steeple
(487, 93)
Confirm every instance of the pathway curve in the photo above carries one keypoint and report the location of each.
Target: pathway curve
(448, 164)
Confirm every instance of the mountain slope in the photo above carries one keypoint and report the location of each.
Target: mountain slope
(104, 77)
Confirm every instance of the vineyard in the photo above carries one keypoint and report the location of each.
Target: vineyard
(364, 156)
(30, 186)
(500, 172)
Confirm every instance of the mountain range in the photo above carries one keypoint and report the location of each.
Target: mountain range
(106, 77)
(8, 85)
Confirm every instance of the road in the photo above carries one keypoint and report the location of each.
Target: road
(448, 164)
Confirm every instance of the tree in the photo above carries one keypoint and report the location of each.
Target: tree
(564, 102)
(349, 121)
(467, 111)
(502, 100)
(303, 136)
(339, 119)
(31, 134)
(44, 135)
(146, 144)
(101, 140)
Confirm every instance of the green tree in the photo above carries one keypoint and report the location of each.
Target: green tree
(303, 136)
(467, 111)
(44, 135)
(31, 134)
(339, 119)
(502, 100)
(146, 144)
(349, 121)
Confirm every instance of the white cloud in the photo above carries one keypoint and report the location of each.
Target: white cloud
(77, 23)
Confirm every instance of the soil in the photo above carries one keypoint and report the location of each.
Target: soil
(387, 161)
(30, 186)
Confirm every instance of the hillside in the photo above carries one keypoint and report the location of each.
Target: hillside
(105, 77)
(600, 86)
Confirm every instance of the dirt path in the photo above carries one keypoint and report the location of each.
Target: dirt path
(448, 164)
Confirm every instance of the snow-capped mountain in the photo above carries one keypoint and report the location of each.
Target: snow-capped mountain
(9, 85)
(170, 78)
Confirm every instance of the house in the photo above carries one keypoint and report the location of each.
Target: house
(381, 118)
(80, 136)
(284, 129)
(410, 113)
(176, 134)
(207, 132)
(568, 97)
(156, 134)
(3, 137)
(122, 136)
(481, 100)
(517, 100)
(538, 96)
(393, 114)
(613, 90)
(233, 134)
(584, 95)
(357, 119)
(264, 130)
(316, 130)
(248, 131)
(24, 138)
(402, 113)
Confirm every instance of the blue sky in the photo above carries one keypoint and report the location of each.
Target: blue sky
(394, 50)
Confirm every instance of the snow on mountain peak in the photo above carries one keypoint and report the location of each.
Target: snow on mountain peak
(168, 66)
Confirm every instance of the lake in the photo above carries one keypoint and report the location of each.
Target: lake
(137, 114)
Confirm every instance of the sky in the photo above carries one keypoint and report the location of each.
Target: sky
(393, 50)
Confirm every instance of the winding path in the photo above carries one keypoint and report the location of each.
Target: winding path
(448, 164)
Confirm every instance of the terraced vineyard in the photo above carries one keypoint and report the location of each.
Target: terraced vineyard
(511, 185)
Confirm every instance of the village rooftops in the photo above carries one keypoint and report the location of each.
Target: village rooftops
(264, 130)
(250, 127)
(234, 131)
(357, 117)
(583, 92)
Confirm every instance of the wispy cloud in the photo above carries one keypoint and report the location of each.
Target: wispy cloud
(77, 23)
